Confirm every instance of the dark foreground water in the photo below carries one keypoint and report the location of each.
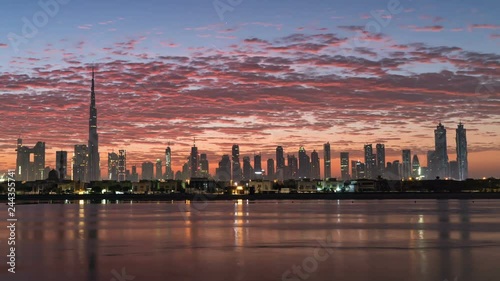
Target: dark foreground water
(431, 240)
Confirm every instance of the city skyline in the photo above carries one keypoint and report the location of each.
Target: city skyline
(258, 80)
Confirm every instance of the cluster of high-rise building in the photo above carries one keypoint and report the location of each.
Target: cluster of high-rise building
(86, 162)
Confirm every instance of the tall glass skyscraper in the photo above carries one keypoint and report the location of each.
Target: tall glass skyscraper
(463, 164)
(440, 152)
(327, 160)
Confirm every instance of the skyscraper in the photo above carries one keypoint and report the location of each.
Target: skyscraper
(236, 167)
(280, 157)
(406, 167)
(327, 160)
(113, 166)
(344, 165)
(441, 153)
(27, 170)
(369, 162)
(380, 159)
(147, 171)
(62, 164)
(80, 163)
(223, 172)
(169, 173)
(431, 165)
(304, 164)
(159, 169)
(416, 169)
(270, 169)
(94, 171)
(193, 160)
(247, 168)
(257, 166)
(39, 161)
(463, 164)
(122, 165)
(23, 167)
(292, 167)
(315, 169)
(204, 168)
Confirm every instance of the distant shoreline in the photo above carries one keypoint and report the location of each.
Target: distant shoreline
(303, 196)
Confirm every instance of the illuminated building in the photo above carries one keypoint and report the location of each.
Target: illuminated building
(315, 169)
(344, 165)
(194, 161)
(94, 172)
(327, 164)
(406, 167)
(26, 170)
(236, 170)
(62, 164)
(80, 163)
(122, 165)
(369, 162)
(441, 154)
(257, 166)
(380, 159)
(159, 169)
(416, 169)
(463, 164)
(113, 166)
(304, 164)
(204, 168)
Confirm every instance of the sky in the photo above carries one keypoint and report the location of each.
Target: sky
(256, 73)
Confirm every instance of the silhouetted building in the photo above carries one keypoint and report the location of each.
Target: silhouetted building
(247, 168)
(159, 169)
(236, 170)
(223, 172)
(257, 166)
(204, 168)
(27, 170)
(370, 162)
(194, 161)
(406, 167)
(344, 165)
(441, 153)
(293, 167)
(80, 163)
(169, 173)
(431, 165)
(463, 163)
(147, 171)
(315, 170)
(358, 170)
(122, 165)
(280, 163)
(327, 160)
(380, 159)
(94, 171)
(416, 169)
(62, 164)
(134, 176)
(454, 173)
(270, 169)
(113, 166)
(304, 164)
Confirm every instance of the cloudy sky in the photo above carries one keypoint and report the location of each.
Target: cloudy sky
(257, 73)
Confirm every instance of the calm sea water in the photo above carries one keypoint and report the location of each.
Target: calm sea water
(432, 240)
